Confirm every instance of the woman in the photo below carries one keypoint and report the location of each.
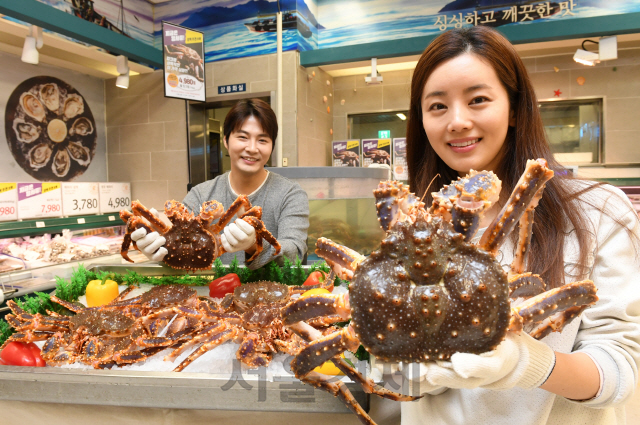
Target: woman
(250, 131)
(473, 107)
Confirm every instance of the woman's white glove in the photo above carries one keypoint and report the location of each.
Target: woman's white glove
(238, 236)
(416, 375)
(152, 244)
(519, 361)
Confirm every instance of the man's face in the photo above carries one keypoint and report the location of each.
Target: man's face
(249, 147)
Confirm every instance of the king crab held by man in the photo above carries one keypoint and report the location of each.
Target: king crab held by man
(428, 292)
(193, 241)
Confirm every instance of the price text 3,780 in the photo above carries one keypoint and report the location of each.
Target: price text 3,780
(81, 204)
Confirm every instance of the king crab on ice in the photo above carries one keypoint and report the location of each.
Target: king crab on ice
(428, 292)
(193, 241)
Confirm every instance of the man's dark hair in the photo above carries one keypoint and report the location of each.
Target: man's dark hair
(257, 108)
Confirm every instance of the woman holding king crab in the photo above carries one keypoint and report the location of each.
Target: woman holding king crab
(250, 131)
(474, 107)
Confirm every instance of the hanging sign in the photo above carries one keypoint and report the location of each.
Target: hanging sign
(183, 51)
(114, 197)
(8, 201)
(80, 198)
(37, 200)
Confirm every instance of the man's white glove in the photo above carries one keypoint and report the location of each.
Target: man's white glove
(519, 361)
(152, 244)
(238, 236)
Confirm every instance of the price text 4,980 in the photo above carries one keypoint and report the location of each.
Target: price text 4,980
(82, 204)
(119, 202)
(7, 210)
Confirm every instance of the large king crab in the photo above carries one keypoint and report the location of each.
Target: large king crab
(193, 241)
(352, 159)
(378, 156)
(428, 292)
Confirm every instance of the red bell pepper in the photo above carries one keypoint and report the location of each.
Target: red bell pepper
(315, 278)
(224, 285)
(21, 354)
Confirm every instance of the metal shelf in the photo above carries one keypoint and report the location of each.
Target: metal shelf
(36, 227)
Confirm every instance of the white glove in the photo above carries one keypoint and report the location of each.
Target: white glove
(519, 361)
(416, 376)
(238, 236)
(151, 245)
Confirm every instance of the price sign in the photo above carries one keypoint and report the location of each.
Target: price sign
(114, 197)
(183, 52)
(37, 200)
(8, 201)
(80, 198)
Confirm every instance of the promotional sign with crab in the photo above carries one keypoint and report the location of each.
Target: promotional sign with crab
(183, 51)
(346, 153)
(428, 292)
(376, 151)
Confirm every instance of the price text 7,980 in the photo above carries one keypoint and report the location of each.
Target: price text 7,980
(81, 204)
(119, 202)
(49, 208)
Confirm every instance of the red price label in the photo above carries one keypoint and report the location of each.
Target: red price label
(7, 210)
(49, 208)
(188, 81)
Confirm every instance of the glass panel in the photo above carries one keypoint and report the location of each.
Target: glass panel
(367, 126)
(574, 130)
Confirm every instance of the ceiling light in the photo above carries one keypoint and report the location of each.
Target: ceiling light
(401, 116)
(374, 77)
(32, 43)
(608, 50)
(122, 66)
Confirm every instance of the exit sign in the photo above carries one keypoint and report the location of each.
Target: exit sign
(384, 134)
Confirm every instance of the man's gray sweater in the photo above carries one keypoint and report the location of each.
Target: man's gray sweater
(285, 213)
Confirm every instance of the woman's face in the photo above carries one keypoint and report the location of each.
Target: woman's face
(466, 113)
(249, 147)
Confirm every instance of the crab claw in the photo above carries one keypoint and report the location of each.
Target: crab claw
(393, 202)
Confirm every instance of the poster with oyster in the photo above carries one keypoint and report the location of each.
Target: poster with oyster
(50, 129)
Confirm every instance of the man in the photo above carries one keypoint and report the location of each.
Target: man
(250, 131)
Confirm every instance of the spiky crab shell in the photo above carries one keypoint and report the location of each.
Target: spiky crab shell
(190, 245)
(440, 295)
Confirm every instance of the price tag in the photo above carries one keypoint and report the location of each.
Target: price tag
(40, 224)
(80, 198)
(37, 200)
(8, 201)
(81, 221)
(114, 197)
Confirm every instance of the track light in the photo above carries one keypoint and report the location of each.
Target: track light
(32, 43)
(401, 116)
(608, 50)
(374, 77)
(122, 66)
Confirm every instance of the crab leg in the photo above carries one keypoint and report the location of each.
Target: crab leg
(213, 341)
(526, 195)
(316, 305)
(240, 202)
(261, 233)
(537, 309)
(394, 202)
(211, 210)
(342, 260)
(556, 322)
(323, 349)
(525, 285)
(140, 210)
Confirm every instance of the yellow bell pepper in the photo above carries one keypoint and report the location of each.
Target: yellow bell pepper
(100, 292)
(328, 368)
(315, 291)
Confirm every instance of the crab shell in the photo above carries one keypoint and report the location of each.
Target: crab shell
(446, 296)
(190, 245)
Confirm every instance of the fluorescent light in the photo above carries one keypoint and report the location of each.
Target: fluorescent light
(586, 58)
(29, 52)
(122, 81)
(401, 116)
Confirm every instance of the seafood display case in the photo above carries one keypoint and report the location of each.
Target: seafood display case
(341, 205)
(248, 390)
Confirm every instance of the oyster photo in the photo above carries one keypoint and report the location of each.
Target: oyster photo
(50, 96)
(32, 106)
(73, 105)
(39, 156)
(61, 163)
(79, 153)
(49, 129)
(25, 132)
(82, 126)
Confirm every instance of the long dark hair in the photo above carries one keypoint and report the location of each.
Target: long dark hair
(527, 140)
